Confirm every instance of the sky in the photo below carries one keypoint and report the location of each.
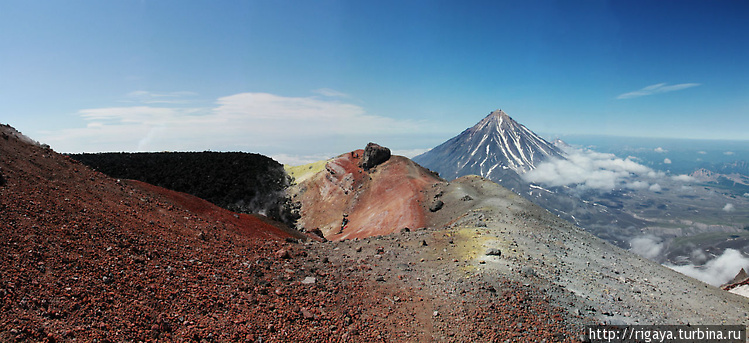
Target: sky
(305, 80)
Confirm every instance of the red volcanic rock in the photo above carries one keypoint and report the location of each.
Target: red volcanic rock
(344, 201)
(253, 225)
(85, 258)
(283, 254)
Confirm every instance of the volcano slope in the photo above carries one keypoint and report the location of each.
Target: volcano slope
(488, 248)
(346, 201)
(84, 257)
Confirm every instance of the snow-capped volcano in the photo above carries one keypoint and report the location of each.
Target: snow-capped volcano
(490, 148)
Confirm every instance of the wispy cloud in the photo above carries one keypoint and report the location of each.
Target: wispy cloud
(330, 92)
(146, 97)
(648, 246)
(257, 122)
(655, 89)
(718, 270)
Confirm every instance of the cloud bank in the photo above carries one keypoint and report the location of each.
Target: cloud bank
(275, 125)
(588, 169)
(647, 246)
(718, 270)
(656, 89)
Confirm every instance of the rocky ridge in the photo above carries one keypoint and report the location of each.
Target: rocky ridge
(84, 257)
(358, 195)
(90, 258)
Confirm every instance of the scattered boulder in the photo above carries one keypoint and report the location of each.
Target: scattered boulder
(317, 232)
(374, 154)
(529, 271)
(309, 280)
(283, 254)
(436, 206)
(493, 252)
(307, 314)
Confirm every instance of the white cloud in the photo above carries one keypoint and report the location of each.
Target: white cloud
(654, 174)
(667, 160)
(660, 150)
(655, 89)
(718, 270)
(728, 153)
(257, 122)
(655, 188)
(637, 185)
(147, 97)
(729, 207)
(590, 170)
(330, 92)
(683, 178)
(409, 152)
(647, 246)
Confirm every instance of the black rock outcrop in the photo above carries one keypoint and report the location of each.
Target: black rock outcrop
(374, 154)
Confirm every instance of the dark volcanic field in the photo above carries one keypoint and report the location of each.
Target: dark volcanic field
(238, 181)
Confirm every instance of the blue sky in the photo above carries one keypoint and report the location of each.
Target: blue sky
(301, 80)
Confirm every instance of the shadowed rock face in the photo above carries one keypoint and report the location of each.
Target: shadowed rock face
(348, 201)
(739, 284)
(374, 154)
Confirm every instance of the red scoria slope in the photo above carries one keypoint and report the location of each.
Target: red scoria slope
(86, 258)
(344, 201)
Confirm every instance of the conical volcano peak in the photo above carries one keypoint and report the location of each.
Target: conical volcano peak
(494, 145)
(499, 118)
(498, 113)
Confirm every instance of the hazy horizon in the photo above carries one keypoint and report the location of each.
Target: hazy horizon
(300, 80)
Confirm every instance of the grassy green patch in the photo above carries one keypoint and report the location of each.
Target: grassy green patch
(303, 172)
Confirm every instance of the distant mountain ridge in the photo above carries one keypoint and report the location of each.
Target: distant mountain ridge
(495, 145)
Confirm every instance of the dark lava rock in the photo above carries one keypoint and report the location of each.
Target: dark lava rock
(374, 154)
(436, 206)
(318, 232)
